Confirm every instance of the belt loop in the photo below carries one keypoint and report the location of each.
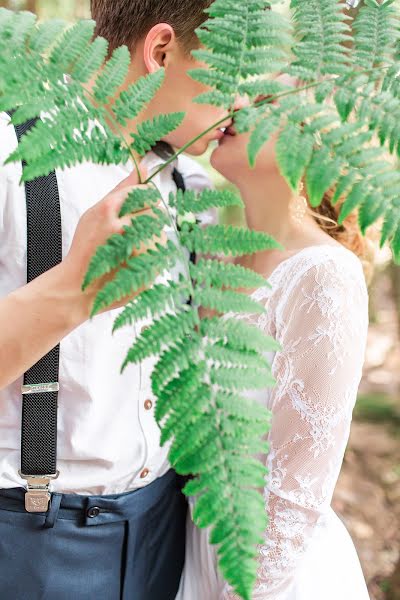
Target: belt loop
(52, 513)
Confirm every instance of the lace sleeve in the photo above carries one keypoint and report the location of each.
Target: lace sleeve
(321, 323)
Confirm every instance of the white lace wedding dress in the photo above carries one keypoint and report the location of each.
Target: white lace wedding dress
(317, 308)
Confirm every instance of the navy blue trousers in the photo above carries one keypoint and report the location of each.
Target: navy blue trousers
(127, 546)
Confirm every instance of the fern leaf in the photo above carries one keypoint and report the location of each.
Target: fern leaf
(294, 150)
(323, 171)
(139, 272)
(46, 35)
(240, 335)
(152, 302)
(178, 357)
(113, 74)
(255, 41)
(354, 199)
(242, 379)
(321, 31)
(235, 241)
(132, 101)
(260, 136)
(138, 199)
(376, 33)
(91, 60)
(218, 273)
(150, 132)
(227, 300)
(168, 327)
(223, 355)
(189, 201)
(72, 45)
(119, 247)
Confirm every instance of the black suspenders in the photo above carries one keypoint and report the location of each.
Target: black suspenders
(40, 384)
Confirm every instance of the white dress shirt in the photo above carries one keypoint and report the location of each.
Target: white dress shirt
(108, 439)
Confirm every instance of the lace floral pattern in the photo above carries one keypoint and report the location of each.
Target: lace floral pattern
(318, 310)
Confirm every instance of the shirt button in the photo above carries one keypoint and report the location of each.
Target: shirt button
(148, 404)
(94, 511)
(144, 473)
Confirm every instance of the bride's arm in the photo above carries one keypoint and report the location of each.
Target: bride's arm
(322, 324)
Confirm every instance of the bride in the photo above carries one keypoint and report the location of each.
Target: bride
(317, 308)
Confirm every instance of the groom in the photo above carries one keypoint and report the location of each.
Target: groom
(115, 525)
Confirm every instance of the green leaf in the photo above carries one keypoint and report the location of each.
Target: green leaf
(234, 241)
(190, 201)
(113, 75)
(132, 101)
(150, 132)
(260, 136)
(91, 60)
(168, 327)
(227, 300)
(354, 199)
(72, 45)
(294, 150)
(322, 172)
(221, 274)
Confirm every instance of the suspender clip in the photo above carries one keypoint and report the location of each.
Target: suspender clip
(37, 494)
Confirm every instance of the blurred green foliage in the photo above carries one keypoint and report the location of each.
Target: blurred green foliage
(47, 9)
(378, 408)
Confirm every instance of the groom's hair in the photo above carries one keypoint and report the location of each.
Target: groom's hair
(127, 21)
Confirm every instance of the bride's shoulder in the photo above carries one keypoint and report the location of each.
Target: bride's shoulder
(322, 271)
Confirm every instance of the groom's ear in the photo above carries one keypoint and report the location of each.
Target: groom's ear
(159, 43)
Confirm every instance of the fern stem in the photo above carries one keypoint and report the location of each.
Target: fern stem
(269, 100)
(117, 126)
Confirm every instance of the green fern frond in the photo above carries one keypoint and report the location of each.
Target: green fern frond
(165, 330)
(71, 45)
(223, 355)
(224, 301)
(113, 75)
(321, 31)
(119, 248)
(178, 357)
(239, 334)
(242, 40)
(376, 33)
(45, 35)
(150, 132)
(228, 240)
(131, 102)
(190, 201)
(323, 171)
(152, 302)
(138, 273)
(138, 199)
(242, 379)
(91, 60)
(294, 150)
(228, 275)
(186, 388)
(260, 135)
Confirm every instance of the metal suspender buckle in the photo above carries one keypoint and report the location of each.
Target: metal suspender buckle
(37, 494)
